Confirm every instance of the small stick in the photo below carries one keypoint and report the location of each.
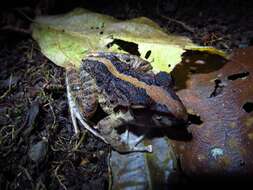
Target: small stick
(187, 27)
(9, 89)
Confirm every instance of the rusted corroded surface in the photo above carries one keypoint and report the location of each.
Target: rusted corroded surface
(223, 97)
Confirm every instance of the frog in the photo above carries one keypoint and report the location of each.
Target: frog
(128, 91)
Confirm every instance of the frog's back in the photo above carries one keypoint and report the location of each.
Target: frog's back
(116, 80)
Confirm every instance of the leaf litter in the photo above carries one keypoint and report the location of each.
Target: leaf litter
(60, 147)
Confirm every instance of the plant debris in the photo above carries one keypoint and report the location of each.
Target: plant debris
(35, 132)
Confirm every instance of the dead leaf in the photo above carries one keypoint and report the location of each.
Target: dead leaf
(140, 170)
(66, 39)
(219, 96)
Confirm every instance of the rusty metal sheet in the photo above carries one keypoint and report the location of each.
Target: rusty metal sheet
(218, 95)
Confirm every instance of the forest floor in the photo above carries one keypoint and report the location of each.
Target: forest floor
(37, 148)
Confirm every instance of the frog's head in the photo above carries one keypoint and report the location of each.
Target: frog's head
(166, 115)
(168, 108)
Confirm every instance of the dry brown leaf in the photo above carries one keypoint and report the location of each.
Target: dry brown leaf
(219, 95)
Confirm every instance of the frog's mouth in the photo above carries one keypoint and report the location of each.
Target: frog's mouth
(161, 120)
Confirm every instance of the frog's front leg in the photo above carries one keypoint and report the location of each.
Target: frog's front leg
(72, 109)
(108, 129)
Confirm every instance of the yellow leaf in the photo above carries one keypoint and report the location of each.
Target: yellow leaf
(66, 39)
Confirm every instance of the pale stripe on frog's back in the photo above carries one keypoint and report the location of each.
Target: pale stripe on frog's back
(157, 93)
(83, 90)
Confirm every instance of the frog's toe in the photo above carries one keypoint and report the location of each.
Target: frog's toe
(134, 143)
(125, 136)
(148, 148)
(138, 140)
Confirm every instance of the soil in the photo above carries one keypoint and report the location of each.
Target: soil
(38, 149)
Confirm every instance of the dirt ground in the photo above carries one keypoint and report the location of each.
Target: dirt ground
(37, 147)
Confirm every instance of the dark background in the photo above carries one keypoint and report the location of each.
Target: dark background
(231, 20)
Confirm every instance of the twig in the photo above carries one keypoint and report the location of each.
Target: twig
(29, 177)
(59, 177)
(4, 133)
(30, 55)
(7, 91)
(40, 186)
(50, 106)
(187, 27)
(80, 141)
(24, 15)
(60, 144)
(16, 29)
